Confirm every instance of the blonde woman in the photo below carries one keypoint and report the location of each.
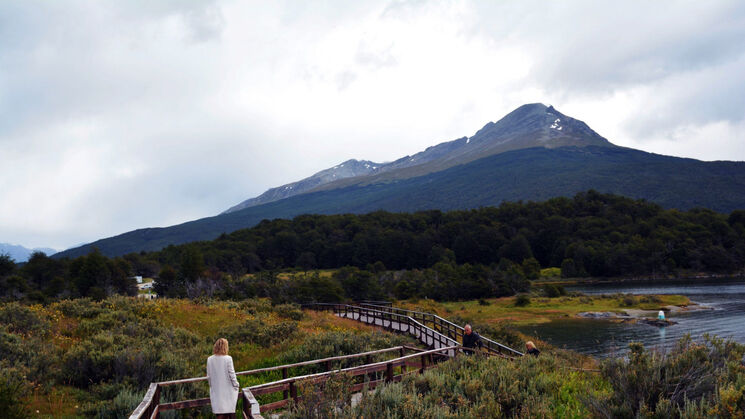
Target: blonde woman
(224, 385)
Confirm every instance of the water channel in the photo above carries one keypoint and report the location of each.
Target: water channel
(725, 318)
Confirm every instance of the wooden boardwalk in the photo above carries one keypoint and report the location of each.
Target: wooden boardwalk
(442, 339)
(430, 329)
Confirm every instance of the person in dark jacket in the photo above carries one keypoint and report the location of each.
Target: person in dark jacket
(471, 340)
(531, 349)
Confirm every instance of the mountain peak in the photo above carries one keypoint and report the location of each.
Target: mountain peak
(538, 125)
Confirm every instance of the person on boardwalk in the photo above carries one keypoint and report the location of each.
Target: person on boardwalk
(224, 385)
(531, 349)
(471, 340)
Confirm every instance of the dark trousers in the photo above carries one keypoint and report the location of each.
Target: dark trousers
(226, 416)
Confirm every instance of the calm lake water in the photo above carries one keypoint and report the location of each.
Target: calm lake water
(603, 338)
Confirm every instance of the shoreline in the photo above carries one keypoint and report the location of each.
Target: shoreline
(544, 309)
(740, 276)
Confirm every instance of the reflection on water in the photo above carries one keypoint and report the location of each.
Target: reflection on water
(602, 338)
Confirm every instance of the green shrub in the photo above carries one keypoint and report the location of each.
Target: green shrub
(650, 299)
(255, 331)
(289, 311)
(551, 273)
(628, 301)
(83, 308)
(553, 291)
(470, 387)
(522, 300)
(21, 319)
(685, 382)
(13, 392)
(483, 302)
(331, 398)
(121, 406)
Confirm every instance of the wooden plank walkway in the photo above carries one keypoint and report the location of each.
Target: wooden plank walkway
(428, 328)
(441, 338)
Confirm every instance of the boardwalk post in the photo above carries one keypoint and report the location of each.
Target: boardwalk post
(424, 364)
(328, 365)
(156, 401)
(284, 376)
(293, 391)
(403, 367)
(388, 372)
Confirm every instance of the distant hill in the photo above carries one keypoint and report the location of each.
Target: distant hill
(21, 254)
(535, 173)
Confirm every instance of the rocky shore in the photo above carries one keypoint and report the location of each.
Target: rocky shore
(641, 316)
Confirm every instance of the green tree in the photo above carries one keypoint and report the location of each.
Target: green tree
(568, 270)
(306, 260)
(192, 264)
(7, 266)
(531, 268)
(168, 283)
(94, 272)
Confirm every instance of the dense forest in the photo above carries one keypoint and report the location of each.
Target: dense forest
(483, 252)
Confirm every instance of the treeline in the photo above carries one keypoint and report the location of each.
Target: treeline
(444, 282)
(592, 234)
(43, 279)
(444, 255)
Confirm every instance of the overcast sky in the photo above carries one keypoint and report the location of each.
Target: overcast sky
(117, 115)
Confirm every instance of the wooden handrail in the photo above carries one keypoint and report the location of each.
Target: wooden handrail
(395, 362)
(424, 333)
(144, 409)
(151, 406)
(282, 367)
(438, 319)
(251, 409)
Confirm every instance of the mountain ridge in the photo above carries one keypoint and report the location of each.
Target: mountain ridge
(509, 176)
(530, 125)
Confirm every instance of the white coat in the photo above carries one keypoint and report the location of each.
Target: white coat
(224, 385)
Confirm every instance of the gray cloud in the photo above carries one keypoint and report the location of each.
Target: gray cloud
(122, 115)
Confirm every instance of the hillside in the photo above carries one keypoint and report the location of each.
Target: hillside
(527, 174)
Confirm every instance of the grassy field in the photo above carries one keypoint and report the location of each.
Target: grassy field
(87, 353)
(541, 309)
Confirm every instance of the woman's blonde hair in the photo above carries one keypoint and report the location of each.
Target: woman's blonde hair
(529, 344)
(221, 347)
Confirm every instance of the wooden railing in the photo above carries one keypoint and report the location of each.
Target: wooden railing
(390, 321)
(392, 371)
(442, 337)
(438, 331)
(151, 405)
(447, 327)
